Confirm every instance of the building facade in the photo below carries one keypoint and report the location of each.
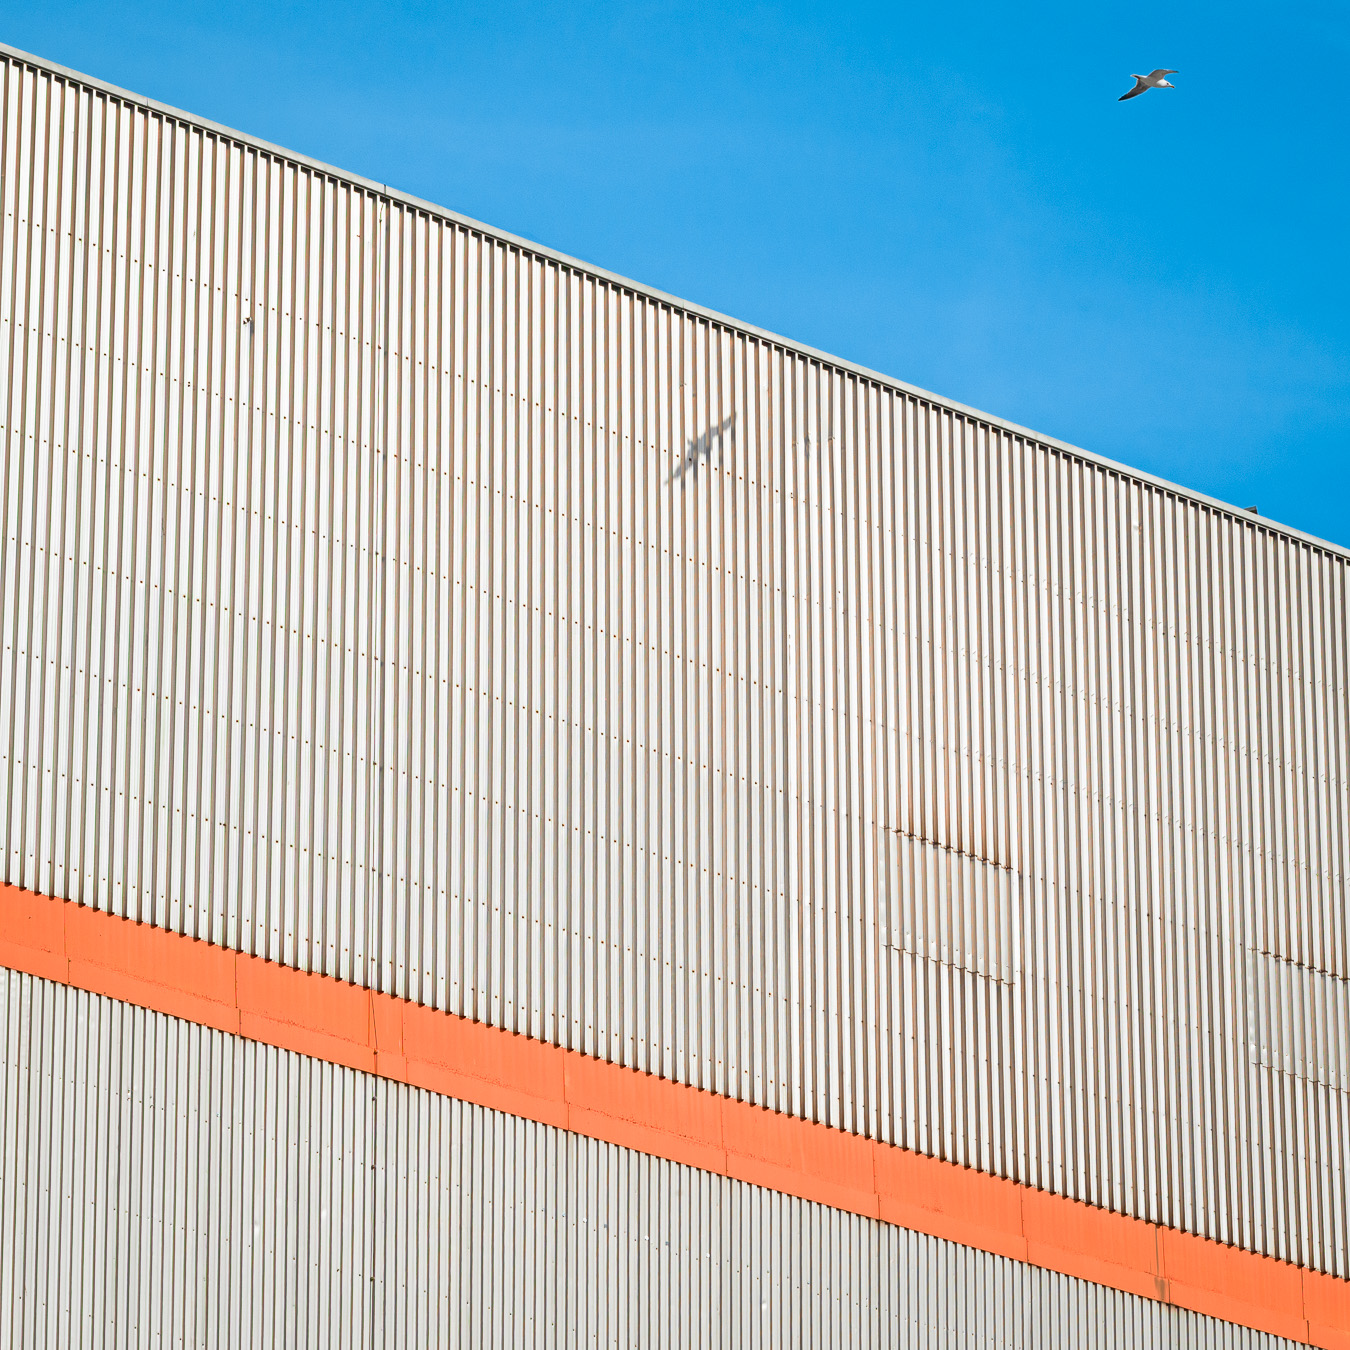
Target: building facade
(393, 607)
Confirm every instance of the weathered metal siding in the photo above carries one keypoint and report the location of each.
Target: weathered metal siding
(163, 1183)
(397, 601)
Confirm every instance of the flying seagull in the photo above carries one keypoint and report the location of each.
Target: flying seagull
(1156, 79)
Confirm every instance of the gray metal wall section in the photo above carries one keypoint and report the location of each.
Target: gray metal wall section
(390, 600)
(162, 1183)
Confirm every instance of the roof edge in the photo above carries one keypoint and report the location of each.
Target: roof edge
(689, 307)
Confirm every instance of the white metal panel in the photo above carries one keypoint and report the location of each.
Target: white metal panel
(954, 908)
(390, 599)
(1299, 1020)
(165, 1184)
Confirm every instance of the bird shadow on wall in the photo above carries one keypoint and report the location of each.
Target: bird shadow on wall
(700, 449)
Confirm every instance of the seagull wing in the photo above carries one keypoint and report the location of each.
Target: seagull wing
(1140, 84)
(1158, 74)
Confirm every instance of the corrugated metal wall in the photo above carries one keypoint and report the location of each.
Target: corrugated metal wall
(162, 1183)
(398, 602)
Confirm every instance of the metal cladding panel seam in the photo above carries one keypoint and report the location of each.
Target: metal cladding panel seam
(383, 598)
(164, 1182)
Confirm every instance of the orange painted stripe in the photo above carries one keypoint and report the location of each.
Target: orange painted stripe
(344, 1024)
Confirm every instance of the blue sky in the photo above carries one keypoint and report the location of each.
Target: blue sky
(948, 192)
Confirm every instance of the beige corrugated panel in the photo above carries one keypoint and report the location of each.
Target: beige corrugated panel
(165, 1184)
(393, 600)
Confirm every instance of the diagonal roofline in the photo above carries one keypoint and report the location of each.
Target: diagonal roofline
(726, 321)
